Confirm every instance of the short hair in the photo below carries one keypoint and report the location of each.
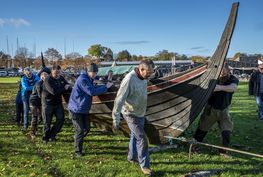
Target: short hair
(56, 67)
(27, 69)
(43, 73)
(147, 63)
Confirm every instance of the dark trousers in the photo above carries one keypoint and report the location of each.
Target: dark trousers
(36, 115)
(200, 135)
(47, 113)
(81, 123)
(259, 101)
(26, 108)
(19, 112)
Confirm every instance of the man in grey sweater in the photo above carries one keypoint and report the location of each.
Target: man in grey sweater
(131, 101)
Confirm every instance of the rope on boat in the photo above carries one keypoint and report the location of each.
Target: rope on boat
(194, 142)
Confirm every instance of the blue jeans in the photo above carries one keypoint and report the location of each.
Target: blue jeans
(138, 146)
(259, 100)
(26, 108)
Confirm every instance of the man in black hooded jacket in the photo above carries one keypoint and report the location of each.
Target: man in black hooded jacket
(35, 101)
(51, 99)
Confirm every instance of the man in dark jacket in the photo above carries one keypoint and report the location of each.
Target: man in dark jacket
(51, 99)
(35, 100)
(80, 102)
(217, 109)
(256, 88)
(27, 82)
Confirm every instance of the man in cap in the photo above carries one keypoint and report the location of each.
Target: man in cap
(35, 100)
(256, 88)
(51, 100)
(27, 82)
(131, 101)
(80, 103)
(217, 109)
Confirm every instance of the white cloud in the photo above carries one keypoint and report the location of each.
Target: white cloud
(132, 42)
(14, 22)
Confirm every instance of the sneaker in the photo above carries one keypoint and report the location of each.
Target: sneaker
(79, 154)
(147, 171)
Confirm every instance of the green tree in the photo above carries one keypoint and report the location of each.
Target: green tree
(124, 55)
(199, 59)
(236, 56)
(165, 55)
(96, 50)
(134, 58)
(184, 57)
(101, 52)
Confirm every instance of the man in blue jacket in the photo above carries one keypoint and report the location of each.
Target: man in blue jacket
(27, 82)
(80, 103)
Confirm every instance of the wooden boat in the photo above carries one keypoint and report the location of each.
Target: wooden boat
(175, 101)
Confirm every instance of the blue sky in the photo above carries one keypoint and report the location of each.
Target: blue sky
(143, 27)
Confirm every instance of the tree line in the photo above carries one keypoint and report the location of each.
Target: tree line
(24, 57)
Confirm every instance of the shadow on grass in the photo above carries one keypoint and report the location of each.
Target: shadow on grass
(225, 170)
(203, 162)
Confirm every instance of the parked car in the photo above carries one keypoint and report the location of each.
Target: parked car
(3, 73)
(12, 73)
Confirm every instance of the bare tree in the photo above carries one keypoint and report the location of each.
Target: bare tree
(74, 55)
(53, 55)
(4, 59)
(23, 57)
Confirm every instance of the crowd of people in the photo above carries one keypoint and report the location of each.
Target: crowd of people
(44, 92)
(42, 95)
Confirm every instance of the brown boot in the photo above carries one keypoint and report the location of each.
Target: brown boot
(147, 171)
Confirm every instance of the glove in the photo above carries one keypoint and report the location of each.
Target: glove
(109, 84)
(67, 87)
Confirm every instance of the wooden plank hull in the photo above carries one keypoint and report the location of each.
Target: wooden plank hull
(173, 102)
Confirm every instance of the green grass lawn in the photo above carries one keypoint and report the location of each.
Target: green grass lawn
(106, 154)
(7, 80)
